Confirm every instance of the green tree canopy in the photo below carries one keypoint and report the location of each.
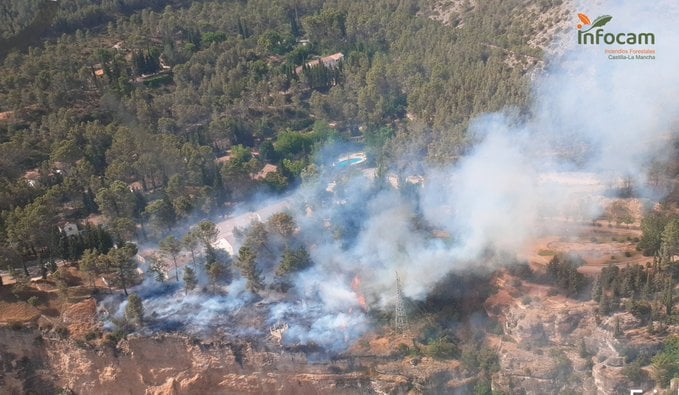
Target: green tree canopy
(171, 247)
(134, 311)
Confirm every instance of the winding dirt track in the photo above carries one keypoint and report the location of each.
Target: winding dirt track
(594, 244)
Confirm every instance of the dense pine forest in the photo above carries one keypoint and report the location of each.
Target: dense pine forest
(121, 107)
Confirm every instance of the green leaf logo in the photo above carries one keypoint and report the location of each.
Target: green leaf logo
(599, 22)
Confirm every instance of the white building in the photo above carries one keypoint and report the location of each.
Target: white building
(70, 229)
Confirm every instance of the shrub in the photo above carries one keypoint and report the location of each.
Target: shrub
(634, 372)
(496, 328)
(402, 349)
(639, 309)
(483, 387)
(521, 270)
(112, 339)
(80, 344)
(589, 365)
(582, 349)
(484, 359)
(16, 325)
(134, 312)
(563, 367)
(33, 301)
(666, 363)
(91, 335)
(442, 348)
(62, 331)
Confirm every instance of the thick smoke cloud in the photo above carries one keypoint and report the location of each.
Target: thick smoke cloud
(593, 122)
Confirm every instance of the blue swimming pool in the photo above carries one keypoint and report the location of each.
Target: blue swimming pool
(349, 162)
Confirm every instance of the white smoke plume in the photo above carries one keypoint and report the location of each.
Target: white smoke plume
(593, 122)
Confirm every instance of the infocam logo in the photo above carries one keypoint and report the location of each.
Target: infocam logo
(599, 36)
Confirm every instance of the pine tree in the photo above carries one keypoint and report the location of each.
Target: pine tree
(618, 330)
(171, 247)
(88, 264)
(648, 289)
(665, 257)
(120, 260)
(293, 261)
(582, 349)
(190, 280)
(207, 233)
(604, 304)
(626, 285)
(596, 288)
(158, 267)
(134, 312)
(668, 300)
(190, 242)
(248, 266)
(215, 270)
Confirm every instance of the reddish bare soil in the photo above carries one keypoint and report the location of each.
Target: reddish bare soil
(81, 318)
(17, 312)
(598, 245)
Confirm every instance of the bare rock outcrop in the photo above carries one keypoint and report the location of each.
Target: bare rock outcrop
(554, 344)
(172, 365)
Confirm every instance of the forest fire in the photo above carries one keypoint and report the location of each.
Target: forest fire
(227, 210)
(356, 287)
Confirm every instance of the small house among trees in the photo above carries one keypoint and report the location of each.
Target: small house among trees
(70, 229)
(330, 61)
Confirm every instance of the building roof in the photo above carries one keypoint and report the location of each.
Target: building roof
(136, 186)
(32, 174)
(268, 168)
(328, 61)
(5, 115)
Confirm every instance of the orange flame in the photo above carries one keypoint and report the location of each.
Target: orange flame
(356, 286)
(356, 282)
(362, 302)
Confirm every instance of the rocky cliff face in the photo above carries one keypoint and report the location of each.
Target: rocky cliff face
(179, 365)
(538, 354)
(550, 344)
(24, 362)
(553, 344)
(159, 365)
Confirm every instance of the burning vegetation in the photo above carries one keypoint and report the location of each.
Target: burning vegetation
(376, 220)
